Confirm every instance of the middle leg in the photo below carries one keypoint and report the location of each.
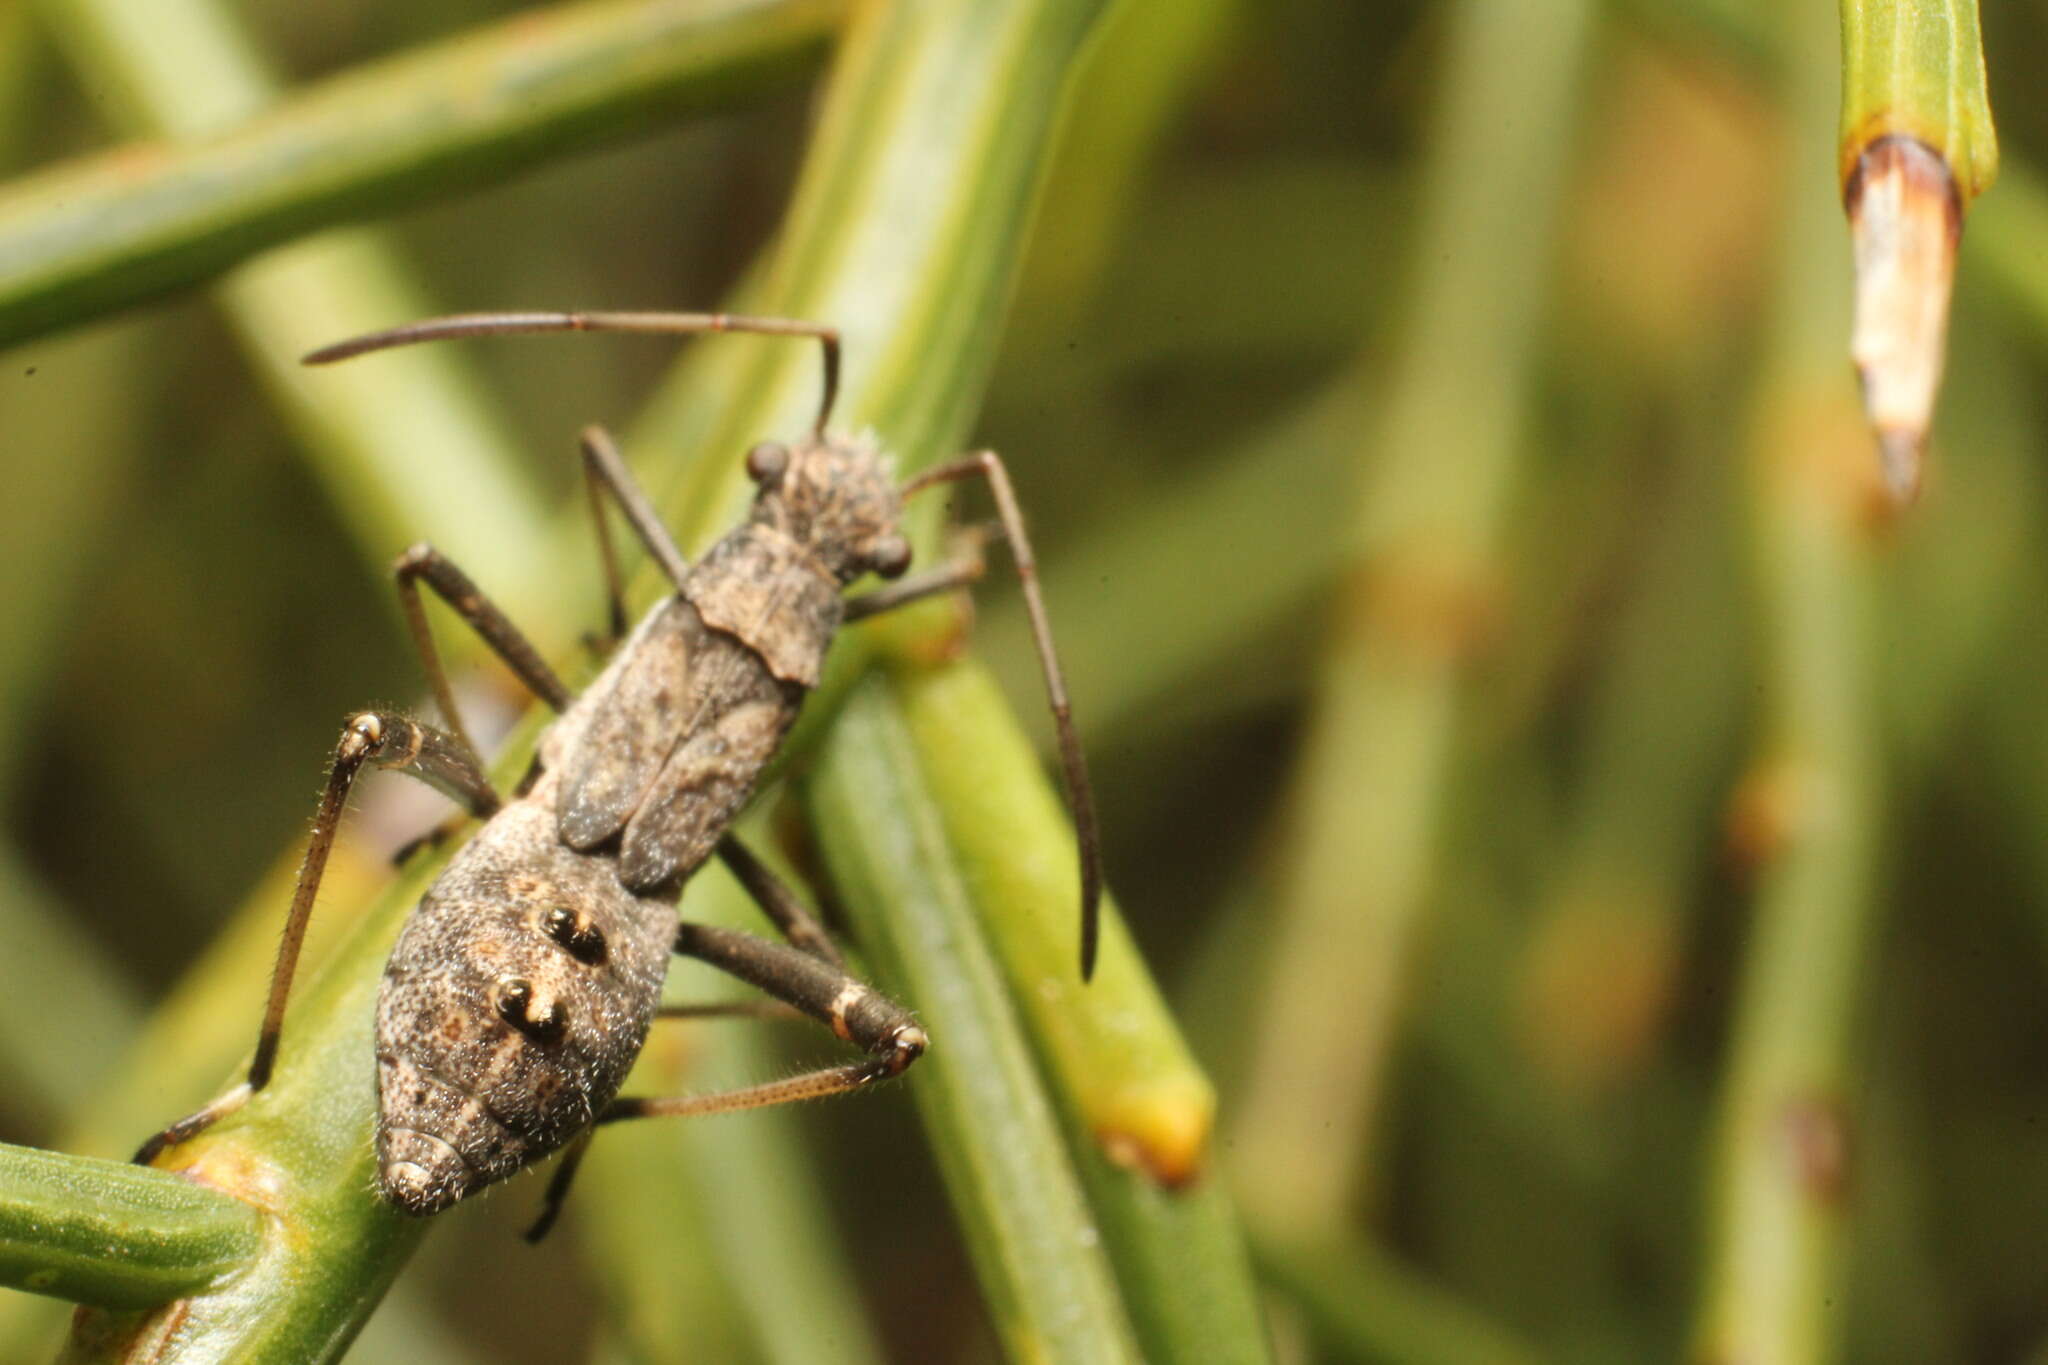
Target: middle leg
(425, 564)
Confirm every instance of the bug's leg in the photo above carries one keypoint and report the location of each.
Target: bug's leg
(604, 470)
(608, 556)
(651, 324)
(988, 465)
(558, 1188)
(779, 903)
(801, 984)
(732, 1009)
(855, 1012)
(435, 757)
(565, 1170)
(425, 564)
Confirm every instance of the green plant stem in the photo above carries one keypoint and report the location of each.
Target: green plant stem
(950, 173)
(710, 1230)
(1357, 864)
(122, 226)
(1916, 68)
(976, 88)
(1040, 1260)
(1809, 816)
(1109, 1043)
(104, 1232)
(1136, 1109)
(181, 70)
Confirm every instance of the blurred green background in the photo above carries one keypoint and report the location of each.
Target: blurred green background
(1511, 706)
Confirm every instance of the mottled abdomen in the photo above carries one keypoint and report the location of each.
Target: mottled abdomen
(513, 1006)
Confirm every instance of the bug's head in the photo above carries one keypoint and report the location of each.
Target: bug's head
(836, 495)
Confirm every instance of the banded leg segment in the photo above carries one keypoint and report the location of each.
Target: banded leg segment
(852, 1010)
(805, 977)
(378, 738)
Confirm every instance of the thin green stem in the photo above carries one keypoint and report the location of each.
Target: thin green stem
(1915, 68)
(732, 1198)
(1358, 864)
(998, 1139)
(122, 226)
(182, 70)
(1809, 816)
(1137, 1110)
(918, 91)
(104, 1232)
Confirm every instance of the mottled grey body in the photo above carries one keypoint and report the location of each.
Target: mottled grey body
(523, 987)
(466, 1096)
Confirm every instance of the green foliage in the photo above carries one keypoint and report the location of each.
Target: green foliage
(1589, 836)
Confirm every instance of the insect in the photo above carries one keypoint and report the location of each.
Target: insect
(525, 982)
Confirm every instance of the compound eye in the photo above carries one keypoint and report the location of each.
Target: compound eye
(767, 461)
(890, 556)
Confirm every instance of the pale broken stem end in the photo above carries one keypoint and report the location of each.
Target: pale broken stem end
(1905, 220)
(1901, 455)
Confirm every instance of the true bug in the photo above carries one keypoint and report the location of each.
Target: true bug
(524, 984)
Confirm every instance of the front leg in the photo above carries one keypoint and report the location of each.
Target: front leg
(371, 737)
